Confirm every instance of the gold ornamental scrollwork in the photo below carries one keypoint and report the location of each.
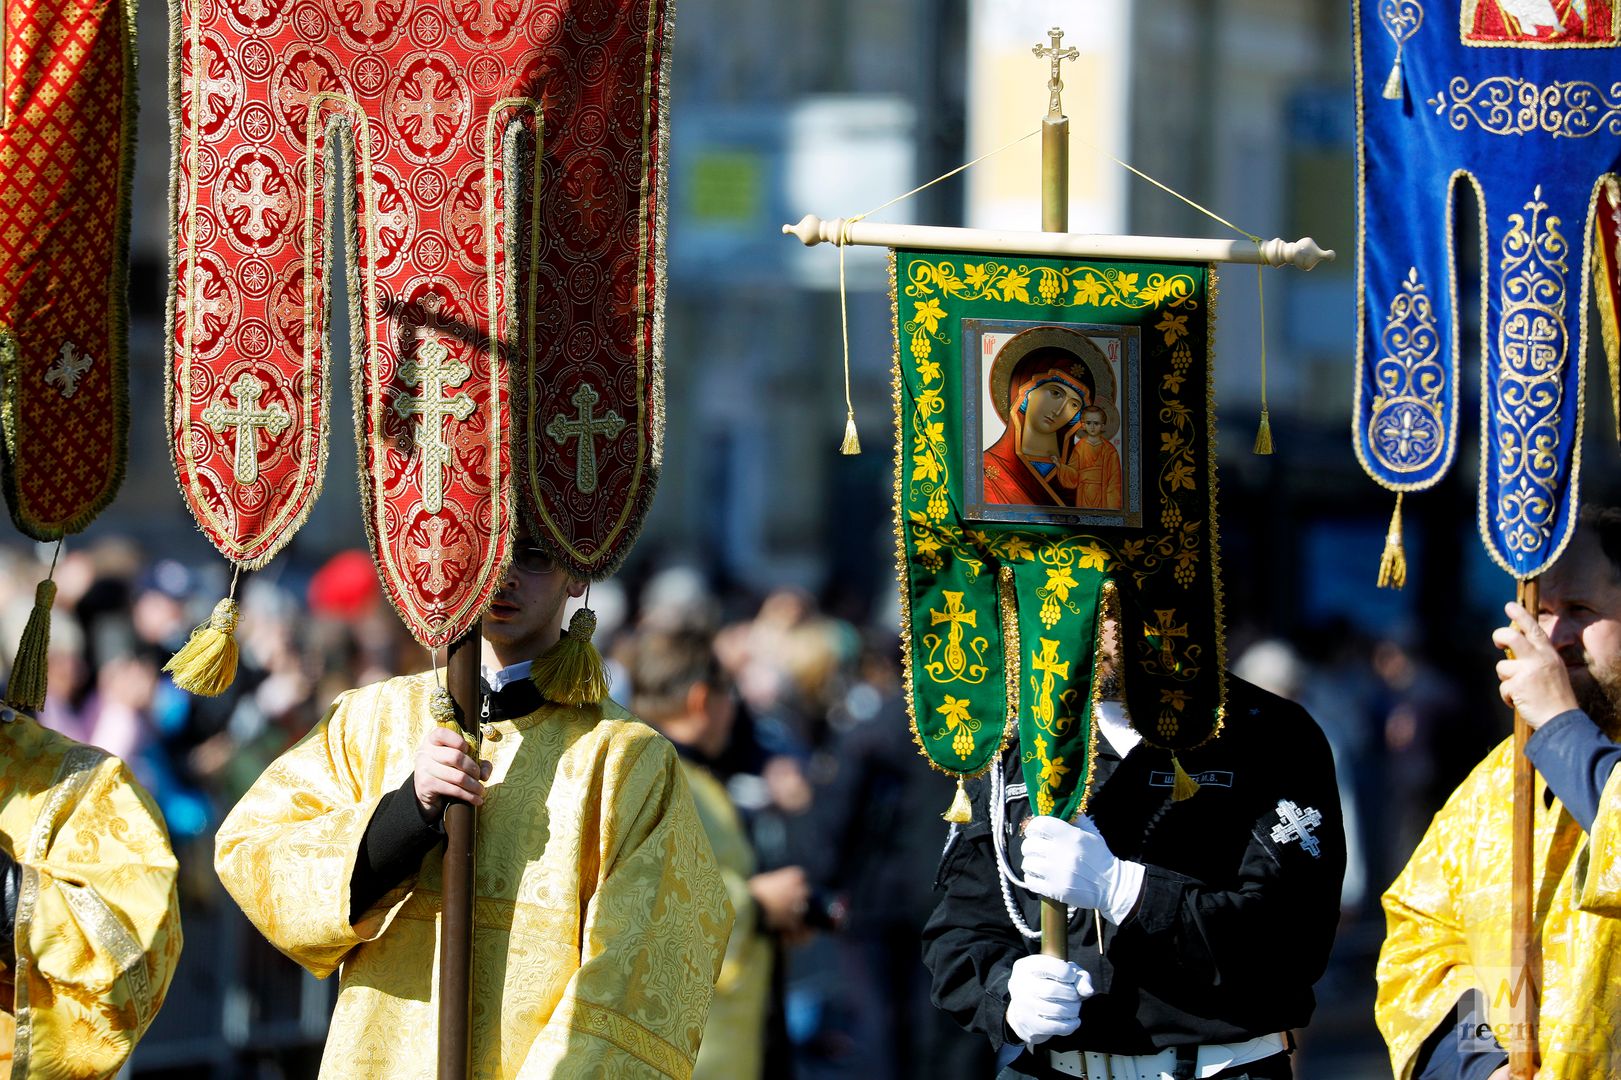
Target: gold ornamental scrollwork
(1406, 428)
(1533, 344)
(1506, 105)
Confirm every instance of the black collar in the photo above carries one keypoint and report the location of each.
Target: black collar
(517, 698)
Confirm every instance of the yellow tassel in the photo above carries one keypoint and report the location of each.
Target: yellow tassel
(1183, 786)
(442, 708)
(851, 445)
(961, 811)
(206, 664)
(571, 672)
(1393, 83)
(1393, 563)
(26, 687)
(1263, 436)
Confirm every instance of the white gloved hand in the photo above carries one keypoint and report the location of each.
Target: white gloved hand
(1044, 997)
(1073, 865)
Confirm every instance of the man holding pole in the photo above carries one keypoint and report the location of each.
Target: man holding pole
(1447, 982)
(600, 918)
(1196, 927)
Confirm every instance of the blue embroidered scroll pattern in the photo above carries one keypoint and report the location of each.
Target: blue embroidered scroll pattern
(1505, 105)
(1532, 344)
(1406, 419)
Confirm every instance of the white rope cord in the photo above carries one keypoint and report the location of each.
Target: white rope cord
(1005, 874)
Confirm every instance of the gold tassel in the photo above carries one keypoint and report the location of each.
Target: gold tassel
(1263, 435)
(442, 708)
(961, 811)
(1183, 786)
(1393, 563)
(1393, 83)
(851, 445)
(26, 687)
(571, 672)
(206, 664)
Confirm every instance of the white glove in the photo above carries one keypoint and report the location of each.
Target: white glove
(1044, 997)
(1073, 865)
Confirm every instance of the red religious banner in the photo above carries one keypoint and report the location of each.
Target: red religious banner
(499, 168)
(65, 143)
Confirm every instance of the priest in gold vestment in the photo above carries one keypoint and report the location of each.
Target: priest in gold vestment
(1445, 980)
(92, 923)
(599, 918)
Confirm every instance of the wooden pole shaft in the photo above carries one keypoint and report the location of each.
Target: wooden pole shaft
(1054, 218)
(1523, 952)
(1055, 174)
(456, 921)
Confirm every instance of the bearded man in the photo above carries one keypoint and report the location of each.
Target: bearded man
(1446, 950)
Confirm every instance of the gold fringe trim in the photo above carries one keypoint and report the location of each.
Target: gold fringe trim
(1393, 563)
(26, 687)
(1183, 786)
(961, 811)
(571, 672)
(206, 664)
(851, 445)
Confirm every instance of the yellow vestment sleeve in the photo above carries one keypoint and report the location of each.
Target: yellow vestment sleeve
(655, 931)
(1598, 863)
(287, 851)
(1424, 965)
(98, 922)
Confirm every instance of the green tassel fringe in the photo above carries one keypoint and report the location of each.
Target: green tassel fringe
(26, 688)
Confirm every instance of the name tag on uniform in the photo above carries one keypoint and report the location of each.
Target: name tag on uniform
(1208, 778)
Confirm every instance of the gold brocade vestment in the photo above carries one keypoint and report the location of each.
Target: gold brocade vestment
(734, 1038)
(1448, 926)
(599, 920)
(98, 921)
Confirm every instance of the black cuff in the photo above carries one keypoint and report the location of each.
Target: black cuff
(397, 838)
(11, 881)
(1457, 1050)
(1160, 901)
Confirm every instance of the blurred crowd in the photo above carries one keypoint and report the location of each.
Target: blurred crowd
(840, 811)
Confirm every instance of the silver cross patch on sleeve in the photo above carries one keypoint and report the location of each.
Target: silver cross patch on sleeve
(1297, 824)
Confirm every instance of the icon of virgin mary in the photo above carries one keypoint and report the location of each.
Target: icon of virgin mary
(1042, 382)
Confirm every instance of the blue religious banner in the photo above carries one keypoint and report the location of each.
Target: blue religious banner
(1521, 101)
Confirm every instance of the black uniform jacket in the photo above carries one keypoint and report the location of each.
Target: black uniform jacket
(1237, 911)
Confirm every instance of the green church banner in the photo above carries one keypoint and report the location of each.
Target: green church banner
(1055, 464)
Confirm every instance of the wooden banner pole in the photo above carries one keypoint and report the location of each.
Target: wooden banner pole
(1055, 219)
(1523, 952)
(456, 921)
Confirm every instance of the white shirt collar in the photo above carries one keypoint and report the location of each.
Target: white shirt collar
(497, 680)
(1123, 738)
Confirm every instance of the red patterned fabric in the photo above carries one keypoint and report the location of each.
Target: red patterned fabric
(423, 116)
(65, 144)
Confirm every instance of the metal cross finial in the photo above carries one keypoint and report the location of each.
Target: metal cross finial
(1055, 83)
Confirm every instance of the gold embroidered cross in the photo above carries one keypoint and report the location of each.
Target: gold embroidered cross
(427, 106)
(257, 199)
(958, 617)
(1047, 662)
(247, 418)
(1165, 629)
(435, 372)
(1055, 84)
(585, 427)
(487, 23)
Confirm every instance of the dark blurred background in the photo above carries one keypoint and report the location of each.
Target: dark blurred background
(764, 535)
